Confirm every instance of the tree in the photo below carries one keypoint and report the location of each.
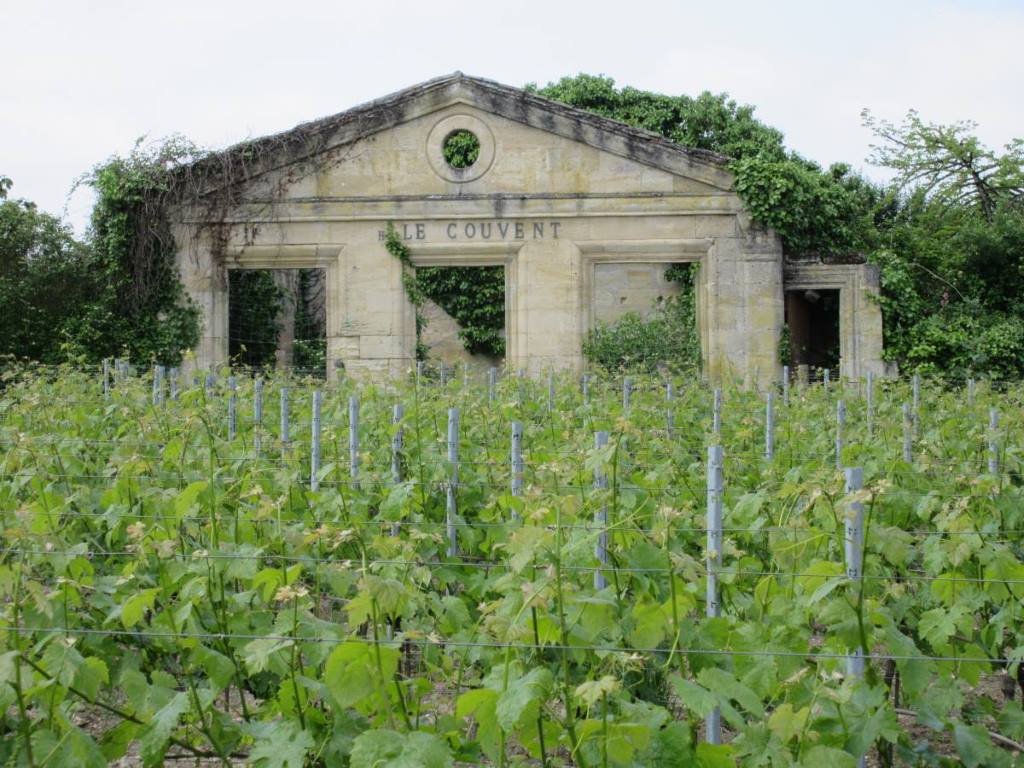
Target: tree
(947, 163)
(45, 281)
(951, 248)
(709, 121)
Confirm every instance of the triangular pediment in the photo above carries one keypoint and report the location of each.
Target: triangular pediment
(638, 149)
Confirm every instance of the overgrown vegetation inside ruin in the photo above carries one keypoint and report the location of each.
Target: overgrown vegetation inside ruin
(669, 339)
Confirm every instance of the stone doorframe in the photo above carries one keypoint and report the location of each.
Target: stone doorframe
(325, 257)
(594, 252)
(860, 316)
(500, 254)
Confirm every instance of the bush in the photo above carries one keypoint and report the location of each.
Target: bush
(669, 338)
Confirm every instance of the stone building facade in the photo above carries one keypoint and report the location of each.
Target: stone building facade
(582, 212)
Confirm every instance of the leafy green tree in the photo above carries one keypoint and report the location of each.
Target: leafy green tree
(709, 121)
(951, 249)
(46, 277)
(948, 163)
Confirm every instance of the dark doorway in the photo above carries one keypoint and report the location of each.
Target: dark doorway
(277, 319)
(812, 317)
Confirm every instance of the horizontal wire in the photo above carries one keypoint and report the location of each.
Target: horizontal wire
(439, 642)
(358, 564)
(384, 478)
(1000, 535)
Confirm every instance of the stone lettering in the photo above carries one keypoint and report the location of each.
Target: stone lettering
(497, 229)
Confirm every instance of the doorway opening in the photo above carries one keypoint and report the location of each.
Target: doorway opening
(462, 319)
(277, 318)
(812, 317)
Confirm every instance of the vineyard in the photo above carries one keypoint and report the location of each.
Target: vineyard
(483, 570)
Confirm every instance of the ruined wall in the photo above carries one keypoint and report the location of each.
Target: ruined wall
(559, 213)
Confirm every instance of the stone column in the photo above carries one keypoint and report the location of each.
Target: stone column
(742, 308)
(205, 283)
(547, 333)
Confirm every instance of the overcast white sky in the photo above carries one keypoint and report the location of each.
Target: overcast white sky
(83, 79)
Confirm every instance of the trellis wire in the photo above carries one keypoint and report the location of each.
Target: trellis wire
(462, 562)
(457, 643)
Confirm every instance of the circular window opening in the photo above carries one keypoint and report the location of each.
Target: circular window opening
(461, 148)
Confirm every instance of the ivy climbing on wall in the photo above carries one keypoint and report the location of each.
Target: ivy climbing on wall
(396, 247)
(475, 299)
(473, 296)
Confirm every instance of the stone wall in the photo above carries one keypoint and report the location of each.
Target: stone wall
(569, 203)
(441, 337)
(622, 288)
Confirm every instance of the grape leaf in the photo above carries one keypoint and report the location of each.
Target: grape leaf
(284, 744)
(383, 748)
(155, 736)
(520, 700)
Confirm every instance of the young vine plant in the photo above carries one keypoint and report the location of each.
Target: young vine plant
(181, 579)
